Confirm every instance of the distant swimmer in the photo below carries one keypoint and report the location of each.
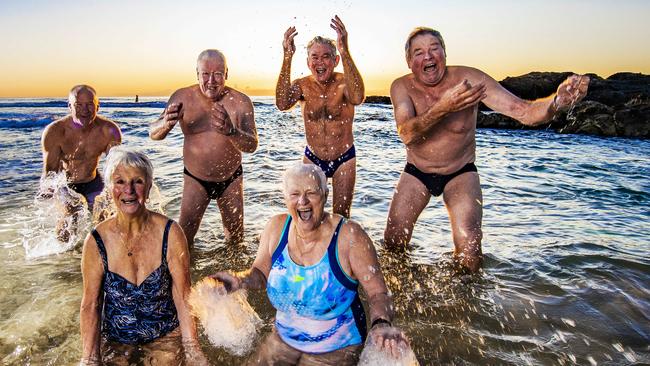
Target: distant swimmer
(218, 125)
(327, 101)
(137, 98)
(435, 109)
(74, 143)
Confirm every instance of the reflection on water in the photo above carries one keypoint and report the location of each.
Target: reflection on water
(566, 272)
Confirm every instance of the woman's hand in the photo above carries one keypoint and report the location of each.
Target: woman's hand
(230, 282)
(389, 339)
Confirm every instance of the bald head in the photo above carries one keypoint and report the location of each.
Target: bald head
(74, 92)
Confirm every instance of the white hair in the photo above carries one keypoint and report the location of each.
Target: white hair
(121, 155)
(301, 169)
(211, 53)
(72, 96)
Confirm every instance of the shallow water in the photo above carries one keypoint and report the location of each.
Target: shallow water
(566, 236)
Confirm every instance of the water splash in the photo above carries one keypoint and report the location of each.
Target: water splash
(228, 319)
(372, 355)
(56, 221)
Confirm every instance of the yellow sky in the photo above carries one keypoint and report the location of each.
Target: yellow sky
(149, 48)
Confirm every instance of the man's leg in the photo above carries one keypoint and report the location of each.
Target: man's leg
(231, 206)
(343, 187)
(409, 199)
(464, 203)
(193, 204)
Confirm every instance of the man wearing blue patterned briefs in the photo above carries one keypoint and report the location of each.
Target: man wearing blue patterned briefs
(311, 264)
(218, 125)
(327, 101)
(435, 110)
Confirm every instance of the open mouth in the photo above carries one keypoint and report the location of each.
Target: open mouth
(305, 214)
(129, 201)
(430, 67)
(320, 71)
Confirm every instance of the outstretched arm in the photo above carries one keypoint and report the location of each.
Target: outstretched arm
(354, 88)
(413, 128)
(536, 112)
(287, 94)
(255, 277)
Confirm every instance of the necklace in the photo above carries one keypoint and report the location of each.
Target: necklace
(125, 242)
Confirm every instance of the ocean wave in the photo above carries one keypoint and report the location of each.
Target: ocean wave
(64, 104)
(26, 123)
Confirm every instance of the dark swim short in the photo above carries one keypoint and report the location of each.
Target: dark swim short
(215, 189)
(330, 166)
(89, 190)
(436, 183)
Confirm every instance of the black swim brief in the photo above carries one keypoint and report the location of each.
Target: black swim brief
(89, 190)
(436, 183)
(215, 189)
(330, 166)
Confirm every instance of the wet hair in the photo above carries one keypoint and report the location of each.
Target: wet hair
(300, 168)
(211, 53)
(325, 41)
(417, 31)
(121, 155)
(72, 96)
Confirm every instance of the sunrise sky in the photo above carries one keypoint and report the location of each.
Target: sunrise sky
(124, 48)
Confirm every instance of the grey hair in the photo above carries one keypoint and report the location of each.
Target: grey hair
(121, 155)
(417, 31)
(72, 96)
(324, 41)
(211, 53)
(301, 169)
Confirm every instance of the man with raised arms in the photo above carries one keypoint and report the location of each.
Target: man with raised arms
(218, 125)
(435, 110)
(327, 101)
(74, 143)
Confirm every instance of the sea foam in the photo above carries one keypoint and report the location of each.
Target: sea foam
(228, 319)
(372, 355)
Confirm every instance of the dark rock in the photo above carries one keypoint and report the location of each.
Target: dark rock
(591, 118)
(634, 121)
(377, 99)
(534, 85)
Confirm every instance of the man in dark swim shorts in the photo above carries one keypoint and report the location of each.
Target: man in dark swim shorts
(75, 143)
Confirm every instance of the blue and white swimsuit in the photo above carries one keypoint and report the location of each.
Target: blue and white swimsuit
(318, 306)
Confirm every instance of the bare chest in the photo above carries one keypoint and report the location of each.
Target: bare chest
(325, 104)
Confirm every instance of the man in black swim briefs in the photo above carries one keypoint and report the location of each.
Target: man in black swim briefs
(218, 125)
(435, 109)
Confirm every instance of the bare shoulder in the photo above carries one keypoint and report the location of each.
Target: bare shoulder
(353, 230)
(107, 125)
(184, 93)
(466, 72)
(401, 84)
(56, 128)
(273, 230)
(236, 96)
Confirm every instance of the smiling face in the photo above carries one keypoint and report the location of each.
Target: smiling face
(212, 74)
(427, 59)
(130, 189)
(322, 60)
(83, 106)
(305, 200)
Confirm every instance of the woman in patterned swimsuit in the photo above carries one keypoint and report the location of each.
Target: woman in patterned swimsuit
(311, 264)
(135, 269)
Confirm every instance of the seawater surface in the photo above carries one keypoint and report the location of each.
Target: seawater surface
(566, 236)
